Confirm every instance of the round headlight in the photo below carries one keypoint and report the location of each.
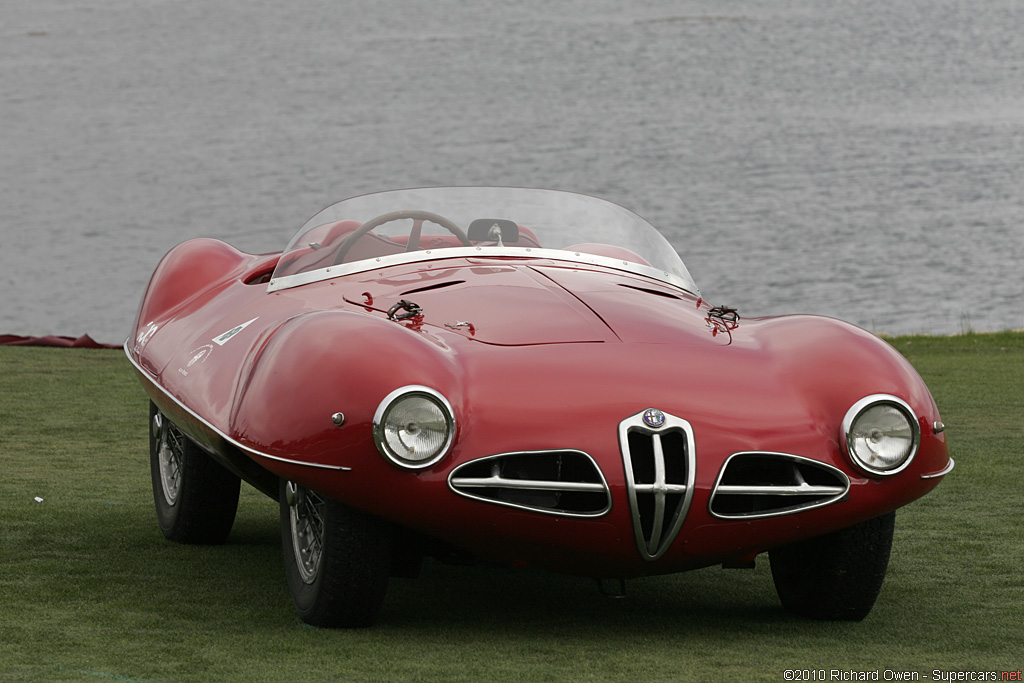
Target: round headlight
(881, 434)
(414, 427)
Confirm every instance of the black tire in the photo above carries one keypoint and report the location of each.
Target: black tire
(337, 560)
(836, 577)
(195, 497)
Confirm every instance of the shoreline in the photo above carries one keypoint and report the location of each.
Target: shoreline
(86, 341)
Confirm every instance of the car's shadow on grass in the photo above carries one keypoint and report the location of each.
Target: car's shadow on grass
(480, 597)
(243, 582)
(474, 598)
(246, 576)
(483, 598)
(454, 597)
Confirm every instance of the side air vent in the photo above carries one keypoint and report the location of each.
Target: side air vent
(656, 292)
(563, 482)
(755, 485)
(659, 458)
(439, 285)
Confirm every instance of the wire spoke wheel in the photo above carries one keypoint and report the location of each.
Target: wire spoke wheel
(305, 512)
(170, 454)
(337, 560)
(195, 496)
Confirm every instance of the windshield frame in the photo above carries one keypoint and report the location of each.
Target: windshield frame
(621, 223)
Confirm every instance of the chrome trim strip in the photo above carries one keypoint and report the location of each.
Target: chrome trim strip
(656, 487)
(657, 544)
(674, 279)
(945, 470)
(861, 405)
(523, 484)
(801, 489)
(221, 434)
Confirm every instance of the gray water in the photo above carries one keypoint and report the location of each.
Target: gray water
(863, 160)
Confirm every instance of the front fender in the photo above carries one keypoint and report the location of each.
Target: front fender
(833, 364)
(192, 269)
(326, 362)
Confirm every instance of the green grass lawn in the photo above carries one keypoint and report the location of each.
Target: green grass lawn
(90, 590)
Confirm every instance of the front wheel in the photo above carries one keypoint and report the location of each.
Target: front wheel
(196, 498)
(337, 560)
(837, 576)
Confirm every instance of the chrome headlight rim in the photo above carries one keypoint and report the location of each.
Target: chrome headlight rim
(860, 407)
(392, 399)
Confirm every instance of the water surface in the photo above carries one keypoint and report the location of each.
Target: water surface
(861, 160)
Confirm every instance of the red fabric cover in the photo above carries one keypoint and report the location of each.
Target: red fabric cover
(83, 342)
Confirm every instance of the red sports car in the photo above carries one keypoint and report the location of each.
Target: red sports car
(526, 378)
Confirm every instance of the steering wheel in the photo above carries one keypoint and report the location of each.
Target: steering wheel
(414, 237)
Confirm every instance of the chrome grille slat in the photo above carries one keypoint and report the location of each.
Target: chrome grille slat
(557, 482)
(501, 482)
(653, 488)
(659, 491)
(754, 485)
(805, 490)
(659, 466)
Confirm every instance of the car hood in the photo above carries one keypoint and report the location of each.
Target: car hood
(519, 305)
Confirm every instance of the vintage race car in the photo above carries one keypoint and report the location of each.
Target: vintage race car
(525, 378)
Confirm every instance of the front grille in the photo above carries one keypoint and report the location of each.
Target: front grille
(768, 484)
(564, 482)
(659, 466)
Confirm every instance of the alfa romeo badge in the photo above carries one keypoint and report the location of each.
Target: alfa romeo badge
(654, 418)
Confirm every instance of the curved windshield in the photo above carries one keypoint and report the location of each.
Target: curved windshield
(406, 226)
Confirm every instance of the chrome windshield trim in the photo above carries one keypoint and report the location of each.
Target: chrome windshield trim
(219, 433)
(681, 280)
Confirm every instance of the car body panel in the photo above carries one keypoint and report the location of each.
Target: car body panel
(533, 355)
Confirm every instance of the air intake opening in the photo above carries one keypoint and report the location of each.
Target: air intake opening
(769, 484)
(564, 482)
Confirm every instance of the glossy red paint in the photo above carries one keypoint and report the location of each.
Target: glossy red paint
(533, 355)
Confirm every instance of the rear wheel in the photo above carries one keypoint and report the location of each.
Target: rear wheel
(195, 497)
(837, 576)
(337, 560)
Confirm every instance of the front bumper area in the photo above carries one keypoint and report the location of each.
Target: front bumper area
(655, 515)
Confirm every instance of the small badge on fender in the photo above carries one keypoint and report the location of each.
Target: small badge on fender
(223, 339)
(200, 355)
(654, 418)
